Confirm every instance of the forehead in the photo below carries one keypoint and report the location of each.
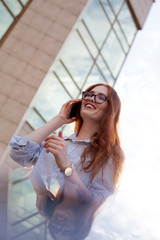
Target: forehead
(100, 89)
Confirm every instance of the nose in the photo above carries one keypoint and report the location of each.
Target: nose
(91, 99)
(58, 227)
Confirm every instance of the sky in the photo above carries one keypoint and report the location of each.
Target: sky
(134, 213)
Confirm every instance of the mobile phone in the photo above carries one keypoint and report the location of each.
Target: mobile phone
(50, 206)
(74, 110)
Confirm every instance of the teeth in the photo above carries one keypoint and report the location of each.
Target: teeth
(90, 106)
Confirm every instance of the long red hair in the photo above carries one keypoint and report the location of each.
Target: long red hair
(105, 144)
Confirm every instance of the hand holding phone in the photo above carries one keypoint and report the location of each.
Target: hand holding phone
(74, 110)
(50, 206)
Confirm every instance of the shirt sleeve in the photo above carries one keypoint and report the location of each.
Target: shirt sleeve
(101, 190)
(24, 151)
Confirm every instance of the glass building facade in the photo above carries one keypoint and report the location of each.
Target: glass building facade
(10, 11)
(94, 52)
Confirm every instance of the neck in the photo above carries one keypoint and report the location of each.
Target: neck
(87, 130)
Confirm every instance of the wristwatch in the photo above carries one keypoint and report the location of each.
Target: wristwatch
(69, 170)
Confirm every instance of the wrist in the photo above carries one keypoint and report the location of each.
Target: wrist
(59, 120)
(66, 165)
(68, 169)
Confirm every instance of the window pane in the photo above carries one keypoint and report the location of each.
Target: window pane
(127, 23)
(97, 22)
(88, 40)
(113, 54)
(108, 10)
(110, 80)
(22, 194)
(24, 1)
(35, 120)
(5, 20)
(14, 6)
(66, 80)
(116, 5)
(94, 77)
(51, 97)
(77, 59)
(121, 37)
(22, 205)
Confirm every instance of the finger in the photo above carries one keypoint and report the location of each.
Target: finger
(52, 150)
(72, 101)
(53, 137)
(54, 146)
(60, 134)
(55, 142)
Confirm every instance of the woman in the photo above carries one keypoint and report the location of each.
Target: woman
(91, 159)
(72, 217)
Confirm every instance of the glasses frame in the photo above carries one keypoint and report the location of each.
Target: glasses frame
(94, 95)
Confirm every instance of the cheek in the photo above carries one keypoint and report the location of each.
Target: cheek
(82, 109)
(102, 111)
(103, 108)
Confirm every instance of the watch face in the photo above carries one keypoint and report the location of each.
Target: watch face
(68, 171)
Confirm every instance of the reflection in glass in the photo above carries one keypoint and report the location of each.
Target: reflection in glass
(5, 19)
(94, 77)
(116, 5)
(25, 221)
(66, 79)
(52, 97)
(97, 22)
(115, 60)
(127, 23)
(72, 73)
(77, 59)
(22, 198)
(82, 28)
(35, 120)
(121, 37)
(24, 1)
(108, 10)
(104, 69)
(68, 216)
(14, 6)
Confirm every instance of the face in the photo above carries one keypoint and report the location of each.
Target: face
(63, 222)
(92, 110)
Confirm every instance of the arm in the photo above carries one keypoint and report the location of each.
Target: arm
(98, 190)
(42, 192)
(51, 126)
(26, 151)
(57, 146)
(83, 192)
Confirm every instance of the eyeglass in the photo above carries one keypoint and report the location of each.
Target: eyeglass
(98, 98)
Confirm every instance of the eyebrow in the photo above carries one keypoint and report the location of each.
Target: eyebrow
(97, 93)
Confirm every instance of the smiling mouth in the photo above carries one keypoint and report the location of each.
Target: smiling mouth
(60, 217)
(90, 106)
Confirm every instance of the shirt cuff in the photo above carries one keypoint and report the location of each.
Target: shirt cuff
(21, 142)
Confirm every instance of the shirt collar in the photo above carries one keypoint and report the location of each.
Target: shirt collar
(73, 138)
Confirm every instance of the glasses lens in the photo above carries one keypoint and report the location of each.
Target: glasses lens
(86, 95)
(100, 98)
